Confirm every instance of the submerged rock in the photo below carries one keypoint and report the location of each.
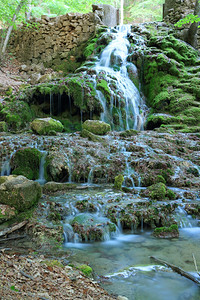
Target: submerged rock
(19, 192)
(96, 127)
(46, 126)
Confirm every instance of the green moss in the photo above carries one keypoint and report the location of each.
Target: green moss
(87, 270)
(128, 133)
(170, 195)
(102, 85)
(96, 127)
(118, 182)
(46, 126)
(16, 114)
(157, 191)
(52, 263)
(26, 162)
(172, 228)
(3, 126)
(160, 178)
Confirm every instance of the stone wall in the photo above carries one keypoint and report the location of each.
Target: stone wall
(174, 10)
(51, 39)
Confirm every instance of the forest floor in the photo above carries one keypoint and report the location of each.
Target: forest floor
(28, 277)
(9, 74)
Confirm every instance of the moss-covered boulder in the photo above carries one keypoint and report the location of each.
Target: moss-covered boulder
(26, 162)
(166, 232)
(157, 191)
(6, 213)
(19, 192)
(17, 114)
(96, 127)
(46, 126)
(92, 228)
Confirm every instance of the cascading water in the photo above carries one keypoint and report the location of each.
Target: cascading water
(113, 67)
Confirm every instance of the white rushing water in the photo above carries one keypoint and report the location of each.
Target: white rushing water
(113, 65)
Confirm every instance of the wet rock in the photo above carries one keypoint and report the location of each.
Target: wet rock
(46, 126)
(96, 127)
(52, 187)
(19, 192)
(57, 166)
(26, 162)
(166, 232)
(157, 191)
(91, 136)
(92, 228)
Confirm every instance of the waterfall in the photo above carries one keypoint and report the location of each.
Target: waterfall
(113, 67)
(6, 169)
(41, 178)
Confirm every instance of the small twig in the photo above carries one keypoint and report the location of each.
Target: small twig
(195, 263)
(26, 275)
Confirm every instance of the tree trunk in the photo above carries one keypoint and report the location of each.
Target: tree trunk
(22, 2)
(192, 31)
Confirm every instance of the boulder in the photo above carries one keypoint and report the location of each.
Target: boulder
(26, 162)
(46, 126)
(96, 127)
(19, 192)
(91, 227)
(6, 213)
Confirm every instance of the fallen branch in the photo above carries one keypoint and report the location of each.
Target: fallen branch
(13, 228)
(195, 263)
(176, 269)
(13, 238)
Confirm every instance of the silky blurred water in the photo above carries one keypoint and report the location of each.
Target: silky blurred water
(130, 272)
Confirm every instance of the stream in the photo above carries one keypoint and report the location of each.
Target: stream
(122, 262)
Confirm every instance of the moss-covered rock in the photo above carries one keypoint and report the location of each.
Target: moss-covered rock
(20, 192)
(6, 213)
(166, 232)
(17, 114)
(118, 182)
(87, 270)
(26, 162)
(46, 126)
(96, 127)
(157, 191)
(91, 136)
(93, 228)
(52, 187)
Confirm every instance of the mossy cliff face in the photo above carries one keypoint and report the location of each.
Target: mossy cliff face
(169, 70)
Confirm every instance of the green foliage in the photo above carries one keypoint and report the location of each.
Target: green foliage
(188, 19)
(144, 11)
